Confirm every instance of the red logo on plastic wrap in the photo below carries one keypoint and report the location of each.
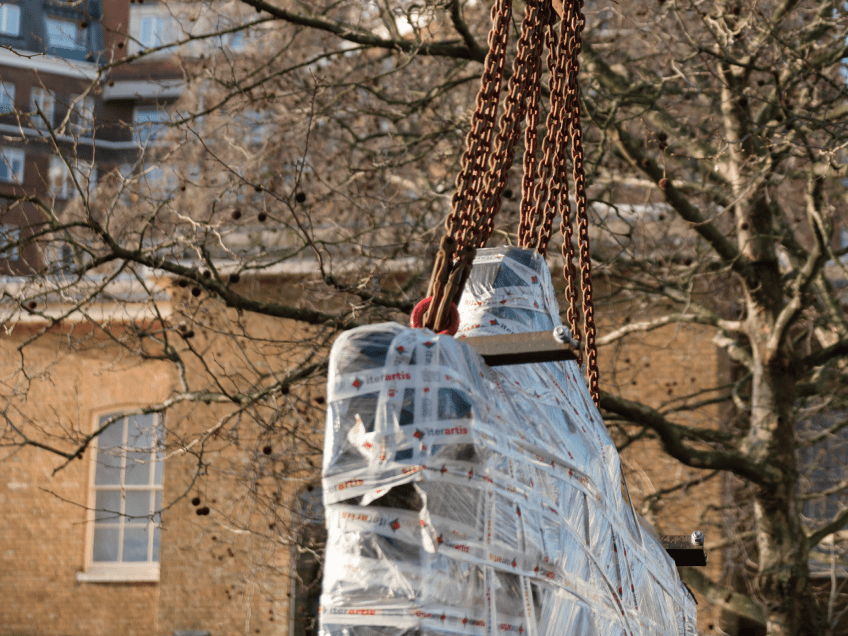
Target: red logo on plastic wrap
(439, 539)
(429, 344)
(533, 279)
(395, 525)
(400, 349)
(418, 434)
(514, 563)
(493, 322)
(357, 383)
(518, 511)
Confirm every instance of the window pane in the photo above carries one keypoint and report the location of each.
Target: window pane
(149, 35)
(10, 19)
(138, 503)
(157, 518)
(139, 466)
(105, 544)
(157, 471)
(112, 437)
(135, 543)
(140, 431)
(108, 505)
(7, 97)
(109, 460)
(64, 34)
(108, 471)
(155, 544)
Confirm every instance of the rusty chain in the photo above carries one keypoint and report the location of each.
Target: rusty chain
(553, 123)
(516, 108)
(574, 16)
(483, 175)
(444, 282)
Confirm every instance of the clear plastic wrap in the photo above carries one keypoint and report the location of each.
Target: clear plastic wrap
(463, 499)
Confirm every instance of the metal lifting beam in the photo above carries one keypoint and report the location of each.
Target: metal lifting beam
(525, 348)
(686, 550)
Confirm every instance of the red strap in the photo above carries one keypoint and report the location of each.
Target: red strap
(416, 319)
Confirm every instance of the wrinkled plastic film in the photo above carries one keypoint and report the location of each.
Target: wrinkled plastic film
(467, 500)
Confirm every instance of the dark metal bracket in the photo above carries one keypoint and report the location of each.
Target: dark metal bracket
(686, 550)
(525, 348)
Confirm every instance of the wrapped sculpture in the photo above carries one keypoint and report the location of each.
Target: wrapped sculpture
(462, 499)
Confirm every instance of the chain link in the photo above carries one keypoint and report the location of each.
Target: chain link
(460, 222)
(573, 13)
(483, 175)
(516, 108)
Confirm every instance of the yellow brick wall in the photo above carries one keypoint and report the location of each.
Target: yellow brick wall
(43, 521)
(228, 572)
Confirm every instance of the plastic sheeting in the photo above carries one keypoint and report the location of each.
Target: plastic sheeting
(463, 499)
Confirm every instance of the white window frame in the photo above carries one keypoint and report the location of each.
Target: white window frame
(7, 98)
(151, 26)
(75, 41)
(12, 163)
(10, 19)
(103, 518)
(61, 185)
(46, 102)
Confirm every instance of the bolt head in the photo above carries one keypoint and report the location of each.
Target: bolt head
(698, 537)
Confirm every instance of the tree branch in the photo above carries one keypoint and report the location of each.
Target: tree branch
(723, 597)
(357, 35)
(762, 474)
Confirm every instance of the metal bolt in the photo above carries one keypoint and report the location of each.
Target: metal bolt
(698, 537)
(560, 334)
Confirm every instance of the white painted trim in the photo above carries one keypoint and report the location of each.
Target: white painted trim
(144, 89)
(88, 141)
(120, 573)
(41, 62)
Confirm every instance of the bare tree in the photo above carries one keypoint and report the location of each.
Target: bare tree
(321, 153)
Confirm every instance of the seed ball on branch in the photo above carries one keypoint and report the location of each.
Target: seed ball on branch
(195, 291)
(236, 215)
(32, 304)
(195, 501)
(262, 217)
(663, 183)
(300, 197)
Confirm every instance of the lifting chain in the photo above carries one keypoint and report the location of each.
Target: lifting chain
(458, 247)
(485, 166)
